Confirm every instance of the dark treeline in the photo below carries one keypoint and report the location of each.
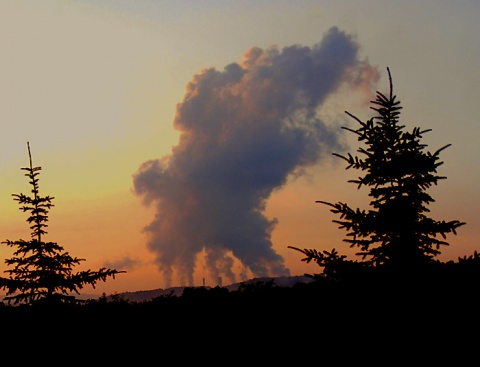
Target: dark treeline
(437, 302)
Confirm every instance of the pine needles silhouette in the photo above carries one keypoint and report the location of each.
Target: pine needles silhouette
(42, 271)
(396, 235)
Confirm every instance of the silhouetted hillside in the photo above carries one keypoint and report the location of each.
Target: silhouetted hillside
(147, 295)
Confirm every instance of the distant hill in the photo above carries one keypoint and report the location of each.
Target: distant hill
(141, 296)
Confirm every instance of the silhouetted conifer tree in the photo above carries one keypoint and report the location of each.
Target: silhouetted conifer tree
(396, 234)
(42, 271)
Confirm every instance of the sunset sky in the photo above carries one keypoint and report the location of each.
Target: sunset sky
(189, 140)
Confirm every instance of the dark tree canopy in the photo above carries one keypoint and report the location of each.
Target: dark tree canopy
(396, 233)
(43, 271)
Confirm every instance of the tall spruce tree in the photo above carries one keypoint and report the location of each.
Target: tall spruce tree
(43, 271)
(395, 234)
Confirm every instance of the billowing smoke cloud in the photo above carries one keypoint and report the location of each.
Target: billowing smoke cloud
(244, 130)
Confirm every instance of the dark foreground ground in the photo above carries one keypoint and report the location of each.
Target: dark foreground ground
(302, 325)
(317, 306)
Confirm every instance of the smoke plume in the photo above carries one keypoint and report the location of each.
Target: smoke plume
(243, 131)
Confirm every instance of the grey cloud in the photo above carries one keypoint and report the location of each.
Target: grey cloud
(125, 263)
(244, 131)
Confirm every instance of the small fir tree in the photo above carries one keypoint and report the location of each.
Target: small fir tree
(396, 234)
(43, 271)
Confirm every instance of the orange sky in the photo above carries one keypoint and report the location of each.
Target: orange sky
(95, 88)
